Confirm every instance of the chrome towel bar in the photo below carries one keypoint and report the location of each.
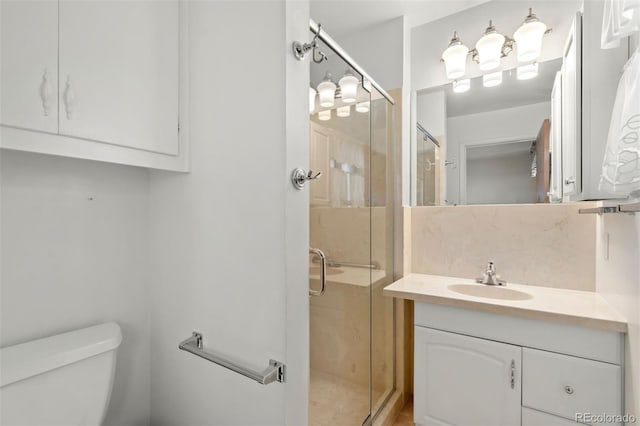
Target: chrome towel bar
(273, 373)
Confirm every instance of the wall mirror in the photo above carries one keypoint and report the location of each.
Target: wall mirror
(513, 131)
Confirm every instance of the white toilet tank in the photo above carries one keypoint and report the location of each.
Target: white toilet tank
(59, 380)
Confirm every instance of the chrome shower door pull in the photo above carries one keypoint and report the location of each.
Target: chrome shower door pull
(323, 272)
(299, 177)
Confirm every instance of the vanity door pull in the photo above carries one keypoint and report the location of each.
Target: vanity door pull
(46, 90)
(513, 374)
(568, 390)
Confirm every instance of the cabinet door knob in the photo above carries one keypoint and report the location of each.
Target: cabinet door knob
(46, 90)
(568, 390)
(69, 98)
(569, 181)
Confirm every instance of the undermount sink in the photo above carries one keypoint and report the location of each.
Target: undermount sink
(489, 291)
(315, 270)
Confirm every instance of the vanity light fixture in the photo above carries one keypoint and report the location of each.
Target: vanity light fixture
(362, 107)
(327, 91)
(312, 99)
(492, 79)
(343, 111)
(324, 115)
(455, 58)
(527, 72)
(489, 48)
(349, 87)
(461, 86)
(528, 38)
(493, 46)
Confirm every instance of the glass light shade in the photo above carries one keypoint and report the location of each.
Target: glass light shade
(362, 107)
(455, 60)
(343, 111)
(489, 49)
(349, 87)
(461, 86)
(492, 79)
(527, 72)
(324, 115)
(529, 40)
(327, 91)
(312, 100)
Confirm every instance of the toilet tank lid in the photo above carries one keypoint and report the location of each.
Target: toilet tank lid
(28, 359)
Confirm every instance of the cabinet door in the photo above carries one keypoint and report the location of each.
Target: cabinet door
(119, 73)
(29, 64)
(572, 112)
(555, 190)
(461, 380)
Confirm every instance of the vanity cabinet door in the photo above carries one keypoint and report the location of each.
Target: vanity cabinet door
(119, 77)
(29, 64)
(461, 380)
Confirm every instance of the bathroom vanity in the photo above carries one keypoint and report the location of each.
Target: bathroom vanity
(513, 355)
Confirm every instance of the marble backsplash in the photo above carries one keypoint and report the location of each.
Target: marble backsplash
(548, 245)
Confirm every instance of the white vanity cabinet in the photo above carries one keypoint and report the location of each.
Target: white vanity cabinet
(462, 380)
(99, 80)
(481, 368)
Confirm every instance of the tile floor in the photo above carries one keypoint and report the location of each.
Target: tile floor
(336, 402)
(405, 418)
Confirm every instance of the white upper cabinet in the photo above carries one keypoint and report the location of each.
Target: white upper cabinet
(119, 73)
(100, 80)
(29, 64)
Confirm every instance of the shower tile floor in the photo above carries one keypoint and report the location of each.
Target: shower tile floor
(337, 402)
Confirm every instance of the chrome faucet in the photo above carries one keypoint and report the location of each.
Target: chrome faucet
(490, 277)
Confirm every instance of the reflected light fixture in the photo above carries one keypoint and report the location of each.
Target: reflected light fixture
(343, 111)
(362, 107)
(455, 58)
(528, 38)
(527, 72)
(327, 91)
(312, 99)
(349, 87)
(324, 115)
(489, 48)
(461, 86)
(492, 79)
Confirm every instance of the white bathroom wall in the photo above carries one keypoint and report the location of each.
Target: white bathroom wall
(618, 280)
(230, 240)
(379, 50)
(428, 41)
(74, 253)
(504, 179)
(476, 129)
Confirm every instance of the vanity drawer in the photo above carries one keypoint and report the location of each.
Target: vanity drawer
(566, 385)
(538, 418)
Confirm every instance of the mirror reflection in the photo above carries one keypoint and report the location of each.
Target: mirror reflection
(496, 149)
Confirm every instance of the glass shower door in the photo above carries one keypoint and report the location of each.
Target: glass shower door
(340, 216)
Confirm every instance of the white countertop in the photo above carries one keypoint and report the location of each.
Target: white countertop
(582, 308)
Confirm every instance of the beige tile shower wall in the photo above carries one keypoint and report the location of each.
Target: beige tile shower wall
(547, 245)
(344, 233)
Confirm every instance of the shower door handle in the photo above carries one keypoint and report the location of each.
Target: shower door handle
(323, 272)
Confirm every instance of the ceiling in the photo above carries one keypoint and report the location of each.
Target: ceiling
(342, 18)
